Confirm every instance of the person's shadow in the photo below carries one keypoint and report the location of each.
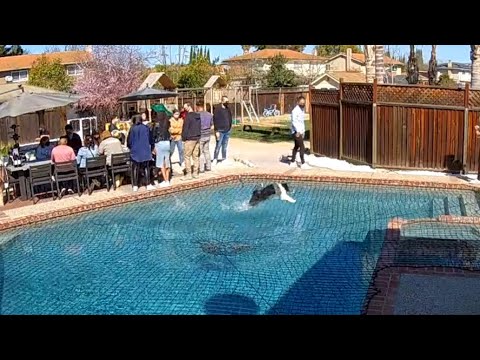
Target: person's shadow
(230, 304)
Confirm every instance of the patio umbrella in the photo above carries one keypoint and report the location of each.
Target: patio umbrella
(148, 94)
(28, 103)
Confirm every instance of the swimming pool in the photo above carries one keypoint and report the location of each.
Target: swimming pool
(206, 251)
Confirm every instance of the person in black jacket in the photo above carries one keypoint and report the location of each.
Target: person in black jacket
(161, 137)
(191, 133)
(222, 123)
(73, 139)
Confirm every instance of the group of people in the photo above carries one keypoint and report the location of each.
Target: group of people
(149, 143)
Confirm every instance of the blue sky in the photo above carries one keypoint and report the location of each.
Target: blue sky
(460, 53)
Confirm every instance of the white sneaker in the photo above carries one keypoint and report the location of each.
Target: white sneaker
(163, 184)
(155, 182)
(305, 167)
(214, 162)
(150, 187)
(135, 188)
(293, 164)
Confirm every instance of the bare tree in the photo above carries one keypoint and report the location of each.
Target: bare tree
(370, 62)
(52, 49)
(412, 67)
(379, 64)
(432, 66)
(475, 57)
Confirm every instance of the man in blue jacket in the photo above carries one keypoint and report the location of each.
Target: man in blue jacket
(140, 143)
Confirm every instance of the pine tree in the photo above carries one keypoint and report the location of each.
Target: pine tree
(208, 56)
(191, 54)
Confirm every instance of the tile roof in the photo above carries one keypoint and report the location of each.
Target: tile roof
(21, 62)
(268, 53)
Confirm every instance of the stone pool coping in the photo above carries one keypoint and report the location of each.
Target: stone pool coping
(381, 295)
(6, 224)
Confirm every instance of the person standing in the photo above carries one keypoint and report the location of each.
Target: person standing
(176, 126)
(140, 143)
(161, 137)
(298, 132)
(222, 123)
(192, 128)
(207, 124)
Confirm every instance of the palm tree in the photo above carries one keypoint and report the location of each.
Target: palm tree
(412, 67)
(475, 57)
(246, 48)
(432, 66)
(369, 62)
(379, 65)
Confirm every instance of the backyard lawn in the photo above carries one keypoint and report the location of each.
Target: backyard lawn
(268, 130)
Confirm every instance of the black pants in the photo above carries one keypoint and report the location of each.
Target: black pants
(298, 145)
(138, 167)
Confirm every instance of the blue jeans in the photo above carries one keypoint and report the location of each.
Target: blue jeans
(222, 142)
(179, 144)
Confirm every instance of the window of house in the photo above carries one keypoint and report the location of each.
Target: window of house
(19, 76)
(74, 70)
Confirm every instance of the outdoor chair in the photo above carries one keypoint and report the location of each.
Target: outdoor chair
(41, 175)
(13, 182)
(95, 167)
(67, 171)
(120, 164)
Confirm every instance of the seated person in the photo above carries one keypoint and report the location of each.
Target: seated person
(63, 153)
(44, 149)
(89, 150)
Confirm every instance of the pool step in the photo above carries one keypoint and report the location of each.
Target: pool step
(449, 205)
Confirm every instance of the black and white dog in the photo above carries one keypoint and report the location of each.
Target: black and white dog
(269, 191)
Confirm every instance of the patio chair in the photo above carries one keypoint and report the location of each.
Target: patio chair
(41, 175)
(95, 167)
(120, 164)
(13, 182)
(66, 171)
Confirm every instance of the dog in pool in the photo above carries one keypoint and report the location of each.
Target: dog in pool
(265, 193)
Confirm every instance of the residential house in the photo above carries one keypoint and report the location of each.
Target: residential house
(14, 69)
(240, 68)
(461, 73)
(356, 62)
(350, 67)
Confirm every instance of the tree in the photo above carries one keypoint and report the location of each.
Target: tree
(11, 50)
(299, 48)
(369, 62)
(475, 58)
(50, 74)
(111, 72)
(421, 64)
(246, 48)
(278, 75)
(52, 49)
(412, 67)
(379, 64)
(196, 74)
(432, 66)
(332, 50)
(445, 80)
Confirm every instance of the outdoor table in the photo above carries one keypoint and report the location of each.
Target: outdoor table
(22, 173)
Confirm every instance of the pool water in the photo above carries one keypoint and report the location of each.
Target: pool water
(206, 251)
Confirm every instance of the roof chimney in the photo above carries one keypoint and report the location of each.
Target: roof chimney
(89, 48)
(349, 60)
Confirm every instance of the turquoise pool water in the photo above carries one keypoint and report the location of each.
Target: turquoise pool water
(206, 251)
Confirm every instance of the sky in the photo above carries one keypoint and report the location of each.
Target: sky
(458, 53)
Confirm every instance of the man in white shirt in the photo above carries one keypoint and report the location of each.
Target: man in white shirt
(298, 132)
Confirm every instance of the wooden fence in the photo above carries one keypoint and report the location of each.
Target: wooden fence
(397, 126)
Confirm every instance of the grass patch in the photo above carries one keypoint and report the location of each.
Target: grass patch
(267, 133)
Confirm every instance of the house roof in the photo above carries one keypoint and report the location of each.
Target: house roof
(214, 79)
(155, 77)
(23, 62)
(268, 53)
(360, 58)
(8, 91)
(455, 66)
(346, 76)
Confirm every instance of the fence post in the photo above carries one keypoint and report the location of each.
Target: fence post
(374, 124)
(311, 138)
(465, 129)
(282, 101)
(340, 120)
